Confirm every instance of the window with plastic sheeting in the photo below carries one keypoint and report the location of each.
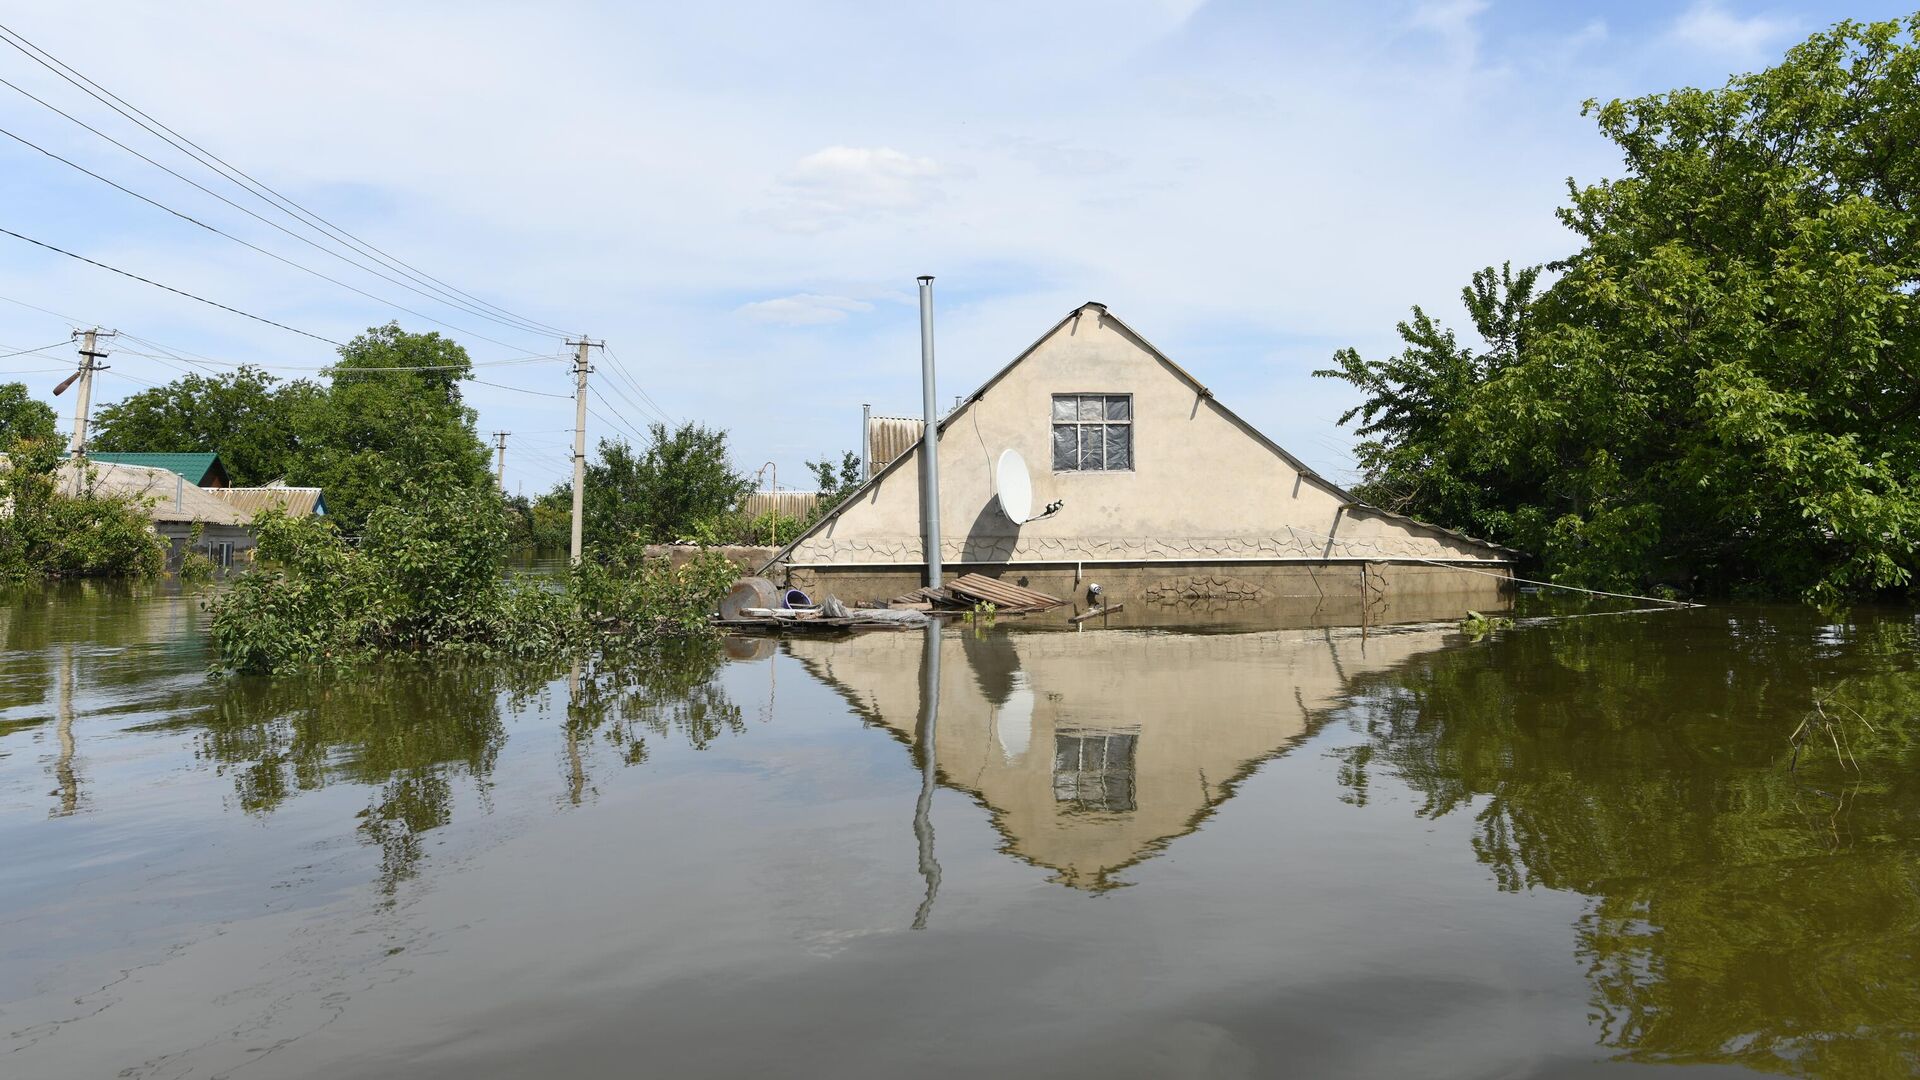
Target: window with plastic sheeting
(1092, 432)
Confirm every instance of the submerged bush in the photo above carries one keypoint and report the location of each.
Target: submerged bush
(48, 533)
(428, 576)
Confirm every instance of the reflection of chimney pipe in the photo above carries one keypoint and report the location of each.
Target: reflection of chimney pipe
(930, 440)
(926, 740)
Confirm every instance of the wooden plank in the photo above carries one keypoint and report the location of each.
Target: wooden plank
(1096, 612)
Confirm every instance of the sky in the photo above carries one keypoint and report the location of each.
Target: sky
(737, 197)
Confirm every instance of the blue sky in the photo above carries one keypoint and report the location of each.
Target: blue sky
(739, 196)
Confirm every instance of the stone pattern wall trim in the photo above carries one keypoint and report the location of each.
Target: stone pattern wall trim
(905, 550)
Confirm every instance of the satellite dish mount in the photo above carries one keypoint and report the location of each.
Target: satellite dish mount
(1013, 490)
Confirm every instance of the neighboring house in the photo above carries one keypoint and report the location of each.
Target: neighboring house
(1167, 495)
(201, 470)
(176, 506)
(294, 501)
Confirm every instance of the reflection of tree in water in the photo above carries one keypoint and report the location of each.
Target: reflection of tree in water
(404, 732)
(669, 691)
(1739, 912)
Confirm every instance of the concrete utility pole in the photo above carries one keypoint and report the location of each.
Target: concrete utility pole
(929, 440)
(500, 443)
(580, 370)
(90, 357)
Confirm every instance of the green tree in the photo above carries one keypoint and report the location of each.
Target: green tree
(681, 484)
(22, 417)
(1722, 384)
(377, 431)
(248, 417)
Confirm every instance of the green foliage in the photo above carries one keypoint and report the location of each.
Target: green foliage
(628, 593)
(428, 577)
(1721, 386)
(374, 435)
(24, 418)
(836, 483)
(47, 532)
(1478, 626)
(681, 483)
(248, 417)
(196, 567)
(1737, 911)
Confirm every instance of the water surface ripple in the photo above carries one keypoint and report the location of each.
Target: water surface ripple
(1570, 848)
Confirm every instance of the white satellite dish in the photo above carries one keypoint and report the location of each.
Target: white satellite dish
(1013, 488)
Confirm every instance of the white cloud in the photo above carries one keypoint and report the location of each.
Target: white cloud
(803, 309)
(1709, 27)
(1452, 21)
(844, 184)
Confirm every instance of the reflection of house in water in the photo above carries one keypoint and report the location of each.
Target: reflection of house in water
(1094, 750)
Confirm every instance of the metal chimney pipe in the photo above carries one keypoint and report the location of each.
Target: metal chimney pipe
(929, 440)
(866, 442)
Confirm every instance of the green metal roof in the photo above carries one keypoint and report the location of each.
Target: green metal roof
(194, 467)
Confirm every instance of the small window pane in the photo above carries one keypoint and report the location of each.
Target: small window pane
(1119, 446)
(1064, 407)
(1090, 408)
(1119, 407)
(1066, 447)
(1092, 447)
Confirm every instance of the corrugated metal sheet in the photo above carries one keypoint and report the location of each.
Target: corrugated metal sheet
(203, 469)
(251, 501)
(888, 437)
(166, 495)
(793, 505)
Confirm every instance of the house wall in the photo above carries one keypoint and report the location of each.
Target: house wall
(1204, 487)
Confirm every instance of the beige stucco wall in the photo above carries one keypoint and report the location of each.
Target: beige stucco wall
(1203, 486)
(1203, 710)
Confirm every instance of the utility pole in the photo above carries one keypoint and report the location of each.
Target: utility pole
(500, 443)
(90, 357)
(580, 370)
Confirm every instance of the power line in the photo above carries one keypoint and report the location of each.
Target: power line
(169, 288)
(521, 389)
(217, 231)
(234, 175)
(273, 224)
(42, 348)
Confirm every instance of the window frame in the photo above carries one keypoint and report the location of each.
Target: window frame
(1133, 441)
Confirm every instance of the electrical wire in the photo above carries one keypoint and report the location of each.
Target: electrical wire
(42, 348)
(520, 389)
(169, 288)
(217, 231)
(233, 174)
(265, 221)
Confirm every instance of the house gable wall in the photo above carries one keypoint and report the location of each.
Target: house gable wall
(1203, 486)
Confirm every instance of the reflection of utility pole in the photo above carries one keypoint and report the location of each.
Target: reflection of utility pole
(576, 770)
(90, 357)
(580, 370)
(925, 741)
(500, 443)
(69, 790)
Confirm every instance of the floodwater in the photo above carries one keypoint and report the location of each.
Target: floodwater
(1570, 848)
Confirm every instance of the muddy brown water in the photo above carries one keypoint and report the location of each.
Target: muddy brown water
(1569, 848)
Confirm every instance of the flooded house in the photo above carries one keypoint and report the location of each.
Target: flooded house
(199, 469)
(1152, 488)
